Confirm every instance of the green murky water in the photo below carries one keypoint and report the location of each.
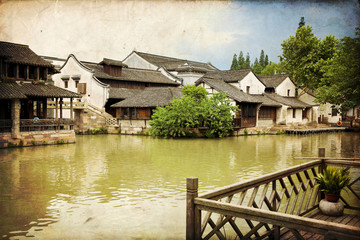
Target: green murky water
(133, 187)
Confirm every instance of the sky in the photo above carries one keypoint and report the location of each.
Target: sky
(205, 31)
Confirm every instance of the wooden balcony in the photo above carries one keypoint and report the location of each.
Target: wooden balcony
(280, 205)
(28, 125)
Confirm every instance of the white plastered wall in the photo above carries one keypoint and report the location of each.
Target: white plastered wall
(97, 93)
(135, 61)
(250, 80)
(283, 88)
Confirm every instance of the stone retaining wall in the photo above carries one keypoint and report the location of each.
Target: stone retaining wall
(37, 138)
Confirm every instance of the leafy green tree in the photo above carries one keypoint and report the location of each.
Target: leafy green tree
(266, 60)
(195, 109)
(302, 22)
(303, 56)
(241, 61)
(340, 83)
(234, 64)
(256, 67)
(271, 69)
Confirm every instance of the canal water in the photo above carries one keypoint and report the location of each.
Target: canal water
(133, 187)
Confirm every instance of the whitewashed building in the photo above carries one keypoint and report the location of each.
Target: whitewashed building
(186, 70)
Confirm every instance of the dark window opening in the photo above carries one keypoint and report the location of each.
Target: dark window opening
(334, 112)
(32, 72)
(294, 113)
(11, 70)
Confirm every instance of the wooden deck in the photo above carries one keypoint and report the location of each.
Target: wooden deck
(346, 219)
(268, 206)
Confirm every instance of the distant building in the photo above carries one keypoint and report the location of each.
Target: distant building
(25, 118)
(135, 111)
(103, 84)
(186, 70)
(263, 101)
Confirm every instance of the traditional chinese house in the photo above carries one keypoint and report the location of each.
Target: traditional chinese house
(25, 118)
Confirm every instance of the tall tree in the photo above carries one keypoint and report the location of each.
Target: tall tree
(266, 60)
(303, 56)
(256, 67)
(262, 59)
(241, 60)
(302, 22)
(234, 64)
(340, 84)
(247, 61)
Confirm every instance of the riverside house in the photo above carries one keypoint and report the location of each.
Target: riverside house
(104, 84)
(135, 111)
(264, 102)
(25, 119)
(186, 70)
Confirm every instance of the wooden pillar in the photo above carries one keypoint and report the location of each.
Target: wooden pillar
(45, 108)
(61, 108)
(31, 109)
(56, 108)
(46, 74)
(27, 72)
(15, 117)
(38, 108)
(193, 214)
(37, 73)
(71, 109)
(17, 71)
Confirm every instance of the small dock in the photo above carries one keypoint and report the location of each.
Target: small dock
(346, 219)
(279, 205)
(314, 130)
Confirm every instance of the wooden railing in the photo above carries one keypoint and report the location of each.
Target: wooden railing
(46, 124)
(260, 208)
(5, 125)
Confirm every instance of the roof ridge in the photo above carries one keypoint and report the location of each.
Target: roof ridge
(19, 44)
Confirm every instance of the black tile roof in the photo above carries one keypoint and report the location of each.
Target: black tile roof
(123, 93)
(132, 74)
(111, 62)
(229, 75)
(272, 81)
(172, 64)
(25, 90)
(22, 54)
(231, 91)
(151, 97)
(292, 102)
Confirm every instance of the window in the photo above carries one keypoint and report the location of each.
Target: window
(288, 92)
(66, 84)
(22, 71)
(294, 113)
(248, 89)
(32, 72)
(76, 83)
(334, 112)
(11, 70)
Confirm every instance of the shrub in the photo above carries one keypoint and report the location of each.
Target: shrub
(194, 110)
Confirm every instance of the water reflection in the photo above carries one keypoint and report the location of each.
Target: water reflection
(111, 186)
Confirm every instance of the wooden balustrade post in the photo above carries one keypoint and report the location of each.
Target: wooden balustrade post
(322, 166)
(276, 232)
(193, 215)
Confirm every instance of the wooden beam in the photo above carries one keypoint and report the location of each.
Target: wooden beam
(193, 215)
(228, 190)
(276, 218)
(71, 109)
